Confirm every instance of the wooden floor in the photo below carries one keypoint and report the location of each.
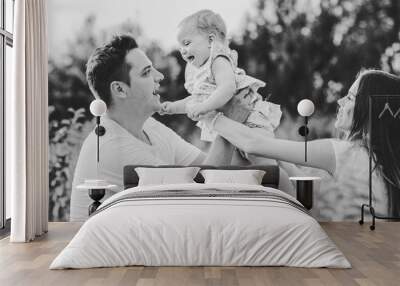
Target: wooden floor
(374, 255)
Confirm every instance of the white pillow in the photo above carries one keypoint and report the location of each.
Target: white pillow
(163, 176)
(248, 177)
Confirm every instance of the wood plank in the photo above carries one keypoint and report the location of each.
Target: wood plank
(374, 255)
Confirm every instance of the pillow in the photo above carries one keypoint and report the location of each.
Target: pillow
(162, 176)
(248, 177)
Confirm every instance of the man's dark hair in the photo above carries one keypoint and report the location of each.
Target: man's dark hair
(107, 64)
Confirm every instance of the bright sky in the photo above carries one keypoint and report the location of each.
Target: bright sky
(158, 18)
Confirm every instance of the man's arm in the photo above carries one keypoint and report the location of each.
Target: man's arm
(220, 153)
(221, 150)
(291, 169)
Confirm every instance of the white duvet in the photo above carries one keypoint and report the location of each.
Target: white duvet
(200, 231)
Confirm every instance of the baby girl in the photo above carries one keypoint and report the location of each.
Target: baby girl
(212, 77)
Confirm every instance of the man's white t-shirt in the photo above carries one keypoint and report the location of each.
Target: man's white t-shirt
(119, 148)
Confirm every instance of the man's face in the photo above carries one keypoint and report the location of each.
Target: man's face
(144, 80)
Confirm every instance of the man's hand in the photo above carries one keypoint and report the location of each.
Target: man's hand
(239, 107)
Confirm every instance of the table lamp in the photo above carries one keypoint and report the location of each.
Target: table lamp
(305, 108)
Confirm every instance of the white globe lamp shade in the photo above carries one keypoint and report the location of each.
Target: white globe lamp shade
(98, 107)
(305, 107)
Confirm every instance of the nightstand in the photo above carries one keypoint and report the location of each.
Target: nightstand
(304, 190)
(96, 190)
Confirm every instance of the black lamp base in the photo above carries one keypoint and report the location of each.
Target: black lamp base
(304, 193)
(96, 195)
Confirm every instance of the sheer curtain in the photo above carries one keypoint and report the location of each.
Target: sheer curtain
(27, 124)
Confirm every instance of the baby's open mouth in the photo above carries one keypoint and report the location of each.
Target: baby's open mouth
(190, 58)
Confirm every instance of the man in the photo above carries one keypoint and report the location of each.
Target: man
(123, 77)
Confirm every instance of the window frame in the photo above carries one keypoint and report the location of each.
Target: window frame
(6, 39)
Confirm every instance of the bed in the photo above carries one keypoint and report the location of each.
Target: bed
(198, 224)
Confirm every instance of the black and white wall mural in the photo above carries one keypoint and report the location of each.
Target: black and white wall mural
(321, 50)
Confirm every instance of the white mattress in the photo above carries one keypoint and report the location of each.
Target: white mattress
(200, 231)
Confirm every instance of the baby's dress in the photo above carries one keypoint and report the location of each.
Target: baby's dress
(200, 83)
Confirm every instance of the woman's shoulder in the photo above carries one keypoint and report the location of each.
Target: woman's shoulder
(351, 156)
(344, 146)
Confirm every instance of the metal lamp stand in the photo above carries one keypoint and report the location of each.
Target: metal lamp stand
(369, 206)
(303, 131)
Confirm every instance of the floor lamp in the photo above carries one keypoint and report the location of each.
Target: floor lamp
(304, 185)
(97, 187)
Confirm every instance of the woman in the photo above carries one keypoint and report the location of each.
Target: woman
(346, 160)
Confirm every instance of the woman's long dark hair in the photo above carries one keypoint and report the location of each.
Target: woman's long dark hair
(385, 142)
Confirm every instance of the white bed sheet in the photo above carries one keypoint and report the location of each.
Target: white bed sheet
(200, 231)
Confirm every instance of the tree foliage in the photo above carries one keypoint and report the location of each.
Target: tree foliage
(312, 49)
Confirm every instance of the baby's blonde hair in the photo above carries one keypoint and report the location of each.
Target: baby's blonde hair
(206, 21)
